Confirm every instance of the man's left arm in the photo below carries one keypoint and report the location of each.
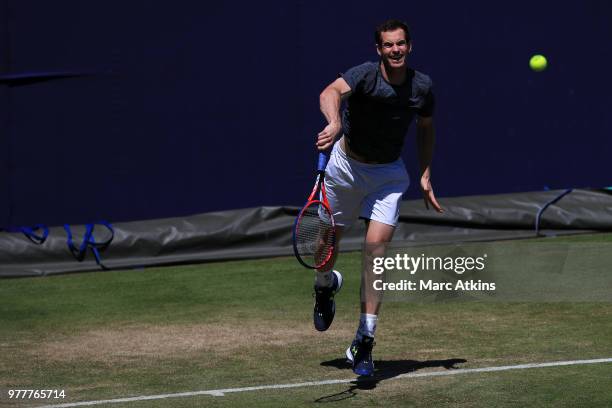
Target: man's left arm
(426, 139)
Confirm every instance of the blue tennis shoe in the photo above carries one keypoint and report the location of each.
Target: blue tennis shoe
(325, 306)
(360, 354)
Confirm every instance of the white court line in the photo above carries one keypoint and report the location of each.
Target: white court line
(222, 392)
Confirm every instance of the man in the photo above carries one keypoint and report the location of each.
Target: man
(365, 176)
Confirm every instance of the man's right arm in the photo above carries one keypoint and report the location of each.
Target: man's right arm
(330, 100)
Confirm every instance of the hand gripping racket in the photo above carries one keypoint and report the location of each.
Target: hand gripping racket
(314, 231)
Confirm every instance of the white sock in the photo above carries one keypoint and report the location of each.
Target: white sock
(367, 326)
(324, 279)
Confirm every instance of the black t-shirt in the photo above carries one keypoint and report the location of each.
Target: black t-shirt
(378, 113)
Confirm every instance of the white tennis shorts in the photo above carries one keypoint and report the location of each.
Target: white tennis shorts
(361, 190)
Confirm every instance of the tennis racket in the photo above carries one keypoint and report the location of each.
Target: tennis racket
(314, 231)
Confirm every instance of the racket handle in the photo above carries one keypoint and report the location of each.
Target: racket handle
(323, 158)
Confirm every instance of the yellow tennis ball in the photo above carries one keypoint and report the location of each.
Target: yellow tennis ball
(538, 63)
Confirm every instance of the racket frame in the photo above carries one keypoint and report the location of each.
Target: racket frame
(319, 186)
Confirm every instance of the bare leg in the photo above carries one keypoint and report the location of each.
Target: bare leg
(377, 234)
(360, 351)
(327, 284)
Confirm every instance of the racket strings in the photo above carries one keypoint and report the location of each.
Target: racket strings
(315, 235)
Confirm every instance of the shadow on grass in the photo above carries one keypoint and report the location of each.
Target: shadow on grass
(384, 370)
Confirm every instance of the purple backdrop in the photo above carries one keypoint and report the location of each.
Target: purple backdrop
(144, 109)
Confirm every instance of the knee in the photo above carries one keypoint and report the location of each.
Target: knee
(378, 240)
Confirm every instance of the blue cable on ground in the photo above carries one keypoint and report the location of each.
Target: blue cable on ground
(89, 241)
(30, 232)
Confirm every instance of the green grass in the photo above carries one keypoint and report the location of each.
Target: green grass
(234, 324)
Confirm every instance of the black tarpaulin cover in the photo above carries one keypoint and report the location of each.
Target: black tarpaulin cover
(266, 231)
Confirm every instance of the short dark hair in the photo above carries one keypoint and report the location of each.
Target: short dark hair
(390, 25)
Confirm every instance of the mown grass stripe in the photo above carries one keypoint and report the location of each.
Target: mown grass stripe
(222, 392)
